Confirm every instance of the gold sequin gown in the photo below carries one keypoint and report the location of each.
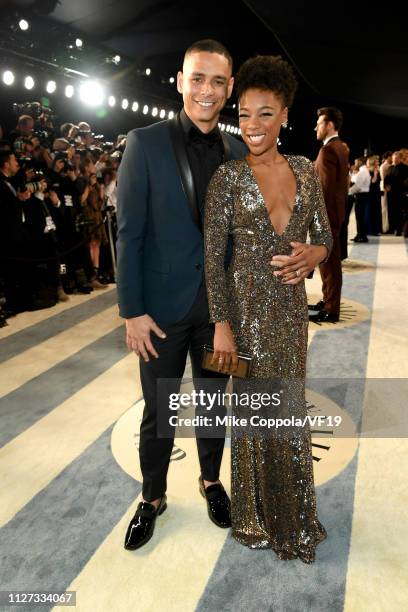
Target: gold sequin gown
(273, 500)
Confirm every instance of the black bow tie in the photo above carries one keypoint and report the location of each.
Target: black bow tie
(196, 135)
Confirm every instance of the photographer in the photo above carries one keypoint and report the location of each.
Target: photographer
(15, 268)
(24, 128)
(44, 223)
(92, 199)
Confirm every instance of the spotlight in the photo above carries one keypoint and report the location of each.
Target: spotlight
(223, 127)
(234, 106)
(111, 101)
(116, 59)
(69, 91)
(51, 87)
(135, 106)
(171, 114)
(29, 82)
(23, 25)
(91, 93)
(145, 109)
(148, 72)
(125, 103)
(8, 77)
(227, 128)
(171, 80)
(155, 111)
(162, 113)
(79, 43)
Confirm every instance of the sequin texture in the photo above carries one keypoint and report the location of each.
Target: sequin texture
(272, 489)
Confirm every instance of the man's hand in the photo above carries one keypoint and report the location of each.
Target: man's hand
(294, 268)
(23, 195)
(225, 351)
(53, 197)
(138, 336)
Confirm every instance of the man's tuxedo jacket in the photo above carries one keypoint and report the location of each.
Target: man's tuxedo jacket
(332, 167)
(160, 247)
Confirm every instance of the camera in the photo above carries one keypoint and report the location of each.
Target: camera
(34, 109)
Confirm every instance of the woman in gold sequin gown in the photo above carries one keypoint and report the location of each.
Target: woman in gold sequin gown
(268, 203)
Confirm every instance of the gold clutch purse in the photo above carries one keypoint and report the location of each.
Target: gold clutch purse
(242, 370)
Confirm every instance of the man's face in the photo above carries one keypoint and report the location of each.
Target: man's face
(206, 84)
(321, 128)
(396, 158)
(13, 165)
(27, 128)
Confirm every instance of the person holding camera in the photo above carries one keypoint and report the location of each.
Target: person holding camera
(92, 199)
(14, 239)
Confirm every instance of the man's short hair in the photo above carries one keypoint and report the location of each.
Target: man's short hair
(210, 46)
(24, 120)
(332, 114)
(61, 144)
(64, 129)
(5, 157)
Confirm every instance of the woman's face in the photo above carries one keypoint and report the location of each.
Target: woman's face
(261, 114)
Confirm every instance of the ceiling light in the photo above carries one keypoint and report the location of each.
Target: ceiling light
(171, 80)
(155, 111)
(135, 106)
(79, 43)
(148, 71)
(145, 109)
(69, 91)
(8, 77)
(162, 113)
(111, 101)
(125, 103)
(227, 128)
(51, 87)
(171, 114)
(91, 93)
(223, 127)
(29, 82)
(116, 59)
(23, 25)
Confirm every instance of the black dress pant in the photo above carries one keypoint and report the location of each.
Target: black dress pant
(344, 228)
(187, 336)
(362, 200)
(332, 278)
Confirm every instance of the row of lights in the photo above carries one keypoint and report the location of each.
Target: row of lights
(91, 93)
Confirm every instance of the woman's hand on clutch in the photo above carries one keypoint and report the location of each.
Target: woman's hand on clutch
(225, 351)
(294, 268)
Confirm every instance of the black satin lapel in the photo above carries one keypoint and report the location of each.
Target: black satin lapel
(186, 176)
(227, 148)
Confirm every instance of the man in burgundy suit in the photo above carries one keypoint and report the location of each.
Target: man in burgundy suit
(332, 167)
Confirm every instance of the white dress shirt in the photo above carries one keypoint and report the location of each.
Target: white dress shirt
(362, 181)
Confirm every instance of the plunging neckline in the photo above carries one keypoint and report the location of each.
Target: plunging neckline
(263, 199)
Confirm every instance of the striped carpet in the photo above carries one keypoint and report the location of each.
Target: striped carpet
(70, 407)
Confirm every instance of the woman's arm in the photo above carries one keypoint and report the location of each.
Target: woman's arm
(217, 223)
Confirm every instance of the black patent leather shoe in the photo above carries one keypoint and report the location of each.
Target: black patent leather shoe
(218, 503)
(318, 306)
(141, 526)
(324, 317)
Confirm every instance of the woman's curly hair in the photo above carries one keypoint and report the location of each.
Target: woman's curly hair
(267, 72)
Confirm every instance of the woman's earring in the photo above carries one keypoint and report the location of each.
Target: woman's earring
(285, 124)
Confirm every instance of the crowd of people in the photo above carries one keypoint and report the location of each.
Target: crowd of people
(58, 202)
(58, 194)
(379, 193)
